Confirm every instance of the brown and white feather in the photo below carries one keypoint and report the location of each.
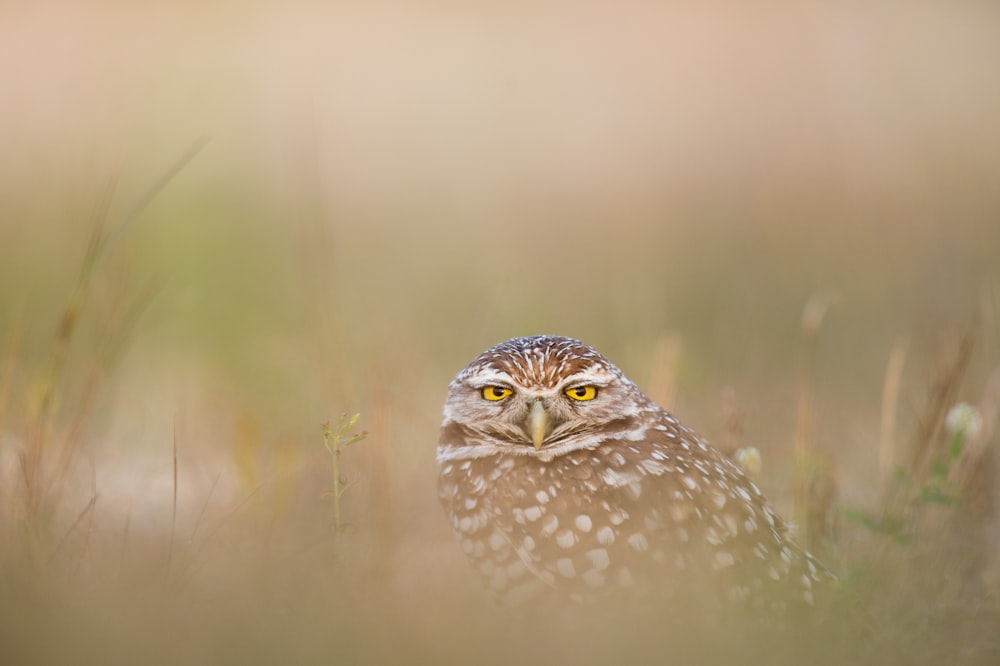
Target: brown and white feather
(619, 499)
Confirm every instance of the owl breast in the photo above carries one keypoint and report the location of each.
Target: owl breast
(663, 516)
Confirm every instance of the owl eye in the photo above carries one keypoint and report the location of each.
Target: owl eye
(582, 393)
(496, 392)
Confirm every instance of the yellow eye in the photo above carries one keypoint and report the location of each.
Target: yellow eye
(582, 392)
(496, 392)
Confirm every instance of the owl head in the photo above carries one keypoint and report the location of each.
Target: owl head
(540, 396)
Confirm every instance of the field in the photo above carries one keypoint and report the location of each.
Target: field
(224, 229)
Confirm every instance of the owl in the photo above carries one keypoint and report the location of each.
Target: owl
(560, 477)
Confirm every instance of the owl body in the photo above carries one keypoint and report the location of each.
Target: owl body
(560, 477)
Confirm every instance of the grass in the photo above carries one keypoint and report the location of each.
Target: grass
(353, 234)
(241, 549)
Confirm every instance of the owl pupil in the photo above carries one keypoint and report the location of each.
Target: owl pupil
(581, 392)
(497, 391)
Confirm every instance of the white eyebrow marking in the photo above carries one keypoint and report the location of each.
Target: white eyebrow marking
(489, 376)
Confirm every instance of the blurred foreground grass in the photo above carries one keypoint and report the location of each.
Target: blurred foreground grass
(800, 255)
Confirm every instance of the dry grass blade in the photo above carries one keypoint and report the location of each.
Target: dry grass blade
(942, 396)
(62, 541)
(173, 504)
(890, 401)
(814, 486)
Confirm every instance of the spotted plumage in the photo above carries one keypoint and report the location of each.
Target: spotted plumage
(560, 476)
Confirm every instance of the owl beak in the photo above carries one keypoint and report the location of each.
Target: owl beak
(538, 424)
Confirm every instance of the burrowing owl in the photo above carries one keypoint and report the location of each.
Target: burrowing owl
(559, 474)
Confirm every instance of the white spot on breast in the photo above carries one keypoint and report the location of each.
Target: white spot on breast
(717, 498)
(497, 541)
(680, 510)
(528, 543)
(583, 523)
(598, 558)
(614, 478)
(750, 525)
(565, 567)
(712, 536)
(618, 517)
(769, 516)
(541, 497)
(637, 435)
(549, 525)
(653, 467)
(786, 555)
(638, 542)
(471, 502)
(773, 573)
(605, 536)
(566, 538)
(633, 490)
(724, 558)
(533, 513)
(465, 524)
(731, 524)
(689, 482)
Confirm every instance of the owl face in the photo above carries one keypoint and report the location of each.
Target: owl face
(541, 396)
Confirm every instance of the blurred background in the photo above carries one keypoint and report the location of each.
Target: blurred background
(223, 225)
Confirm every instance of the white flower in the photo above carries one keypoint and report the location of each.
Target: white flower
(749, 459)
(963, 419)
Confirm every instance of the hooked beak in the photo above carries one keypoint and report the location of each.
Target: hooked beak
(538, 424)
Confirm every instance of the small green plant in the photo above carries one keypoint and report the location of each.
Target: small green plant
(336, 439)
(936, 488)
